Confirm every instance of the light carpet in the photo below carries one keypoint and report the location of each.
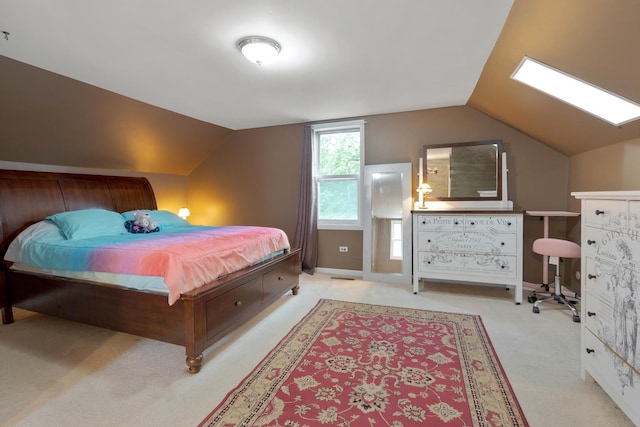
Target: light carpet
(353, 364)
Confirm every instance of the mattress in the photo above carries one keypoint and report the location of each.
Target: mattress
(175, 260)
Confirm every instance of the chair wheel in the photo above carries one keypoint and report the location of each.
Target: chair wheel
(536, 310)
(532, 299)
(576, 318)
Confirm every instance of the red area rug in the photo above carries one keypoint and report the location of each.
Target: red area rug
(350, 364)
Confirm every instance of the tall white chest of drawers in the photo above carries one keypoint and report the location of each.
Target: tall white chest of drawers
(610, 270)
(483, 247)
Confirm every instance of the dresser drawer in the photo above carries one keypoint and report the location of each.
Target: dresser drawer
(238, 303)
(492, 223)
(468, 242)
(609, 214)
(276, 282)
(615, 377)
(614, 246)
(467, 264)
(441, 222)
(599, 315)
(610, 306)
(595, 276)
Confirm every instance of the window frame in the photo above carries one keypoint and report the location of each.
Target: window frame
(331, 127)
(393, 238)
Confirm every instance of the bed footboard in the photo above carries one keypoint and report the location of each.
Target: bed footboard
(211, 314)
(196, 321)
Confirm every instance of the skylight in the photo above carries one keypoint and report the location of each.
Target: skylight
(585, 96)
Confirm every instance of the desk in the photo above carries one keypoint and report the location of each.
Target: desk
(545, 216)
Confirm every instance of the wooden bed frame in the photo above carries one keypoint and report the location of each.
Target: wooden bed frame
(196, 321)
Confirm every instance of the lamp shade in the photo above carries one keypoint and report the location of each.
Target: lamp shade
(424, 188)
(184, 213)
(258, 49)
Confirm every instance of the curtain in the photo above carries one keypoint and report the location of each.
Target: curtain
(306, 236)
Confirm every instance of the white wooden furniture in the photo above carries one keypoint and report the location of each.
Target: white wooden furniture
(610, 271)
(468, 247)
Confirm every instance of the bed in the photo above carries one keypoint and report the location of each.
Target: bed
(198, 319)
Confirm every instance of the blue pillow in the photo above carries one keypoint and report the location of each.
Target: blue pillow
(165, 219)
(88, 223)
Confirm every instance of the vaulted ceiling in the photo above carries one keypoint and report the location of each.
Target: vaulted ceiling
(597, 41)
(340, 59)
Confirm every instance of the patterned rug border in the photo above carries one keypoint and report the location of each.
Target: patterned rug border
(497, 370)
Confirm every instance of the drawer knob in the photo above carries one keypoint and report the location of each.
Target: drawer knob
(238, 303)
(590, 350)
(509, 223)
(591, 276)
(599, 212)
(591, 242)
(456, 223)
(590, 313)
(424, 221)
(428, 240)
(473, 223)
(501, 243)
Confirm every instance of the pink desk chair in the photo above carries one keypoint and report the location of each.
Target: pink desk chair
(556, 249)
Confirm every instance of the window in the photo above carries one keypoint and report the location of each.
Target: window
(337, 166)
(396, 239)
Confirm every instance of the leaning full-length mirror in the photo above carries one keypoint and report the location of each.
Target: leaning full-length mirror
(387, 228)
(464, 171)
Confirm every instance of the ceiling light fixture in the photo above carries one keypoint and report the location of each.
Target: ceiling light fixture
(585, 96)
(258, 49)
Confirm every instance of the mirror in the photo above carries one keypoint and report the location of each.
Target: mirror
(464, 171)
(387, 227)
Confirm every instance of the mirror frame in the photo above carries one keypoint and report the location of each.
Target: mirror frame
(496, 142)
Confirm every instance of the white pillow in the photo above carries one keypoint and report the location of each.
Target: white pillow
(43, 230)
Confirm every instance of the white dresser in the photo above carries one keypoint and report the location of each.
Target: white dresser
(482, 247)
(610, 271)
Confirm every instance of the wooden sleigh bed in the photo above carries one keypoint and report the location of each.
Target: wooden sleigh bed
(196, 321)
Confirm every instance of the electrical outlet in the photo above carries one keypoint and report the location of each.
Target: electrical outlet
(344, 248)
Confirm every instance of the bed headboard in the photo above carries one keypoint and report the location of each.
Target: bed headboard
(27, 197)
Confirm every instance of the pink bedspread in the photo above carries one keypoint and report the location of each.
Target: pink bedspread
(189, 260)
(185, 260)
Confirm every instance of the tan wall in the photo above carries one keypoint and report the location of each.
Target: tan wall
(612, 168)
(170, 190)
(250, 179)
(250, 176)
(253, 177)
(49, 119)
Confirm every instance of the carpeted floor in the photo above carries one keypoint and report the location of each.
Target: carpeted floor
(360, 364)
(59, 373)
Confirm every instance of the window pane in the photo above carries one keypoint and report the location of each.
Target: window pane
(396, 230)
(396, 249)
(339, 153)
(338, 199)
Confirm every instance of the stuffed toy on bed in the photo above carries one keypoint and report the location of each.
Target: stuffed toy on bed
(142, 223)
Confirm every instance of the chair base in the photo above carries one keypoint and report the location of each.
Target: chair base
(560, 298)
(543, 290)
